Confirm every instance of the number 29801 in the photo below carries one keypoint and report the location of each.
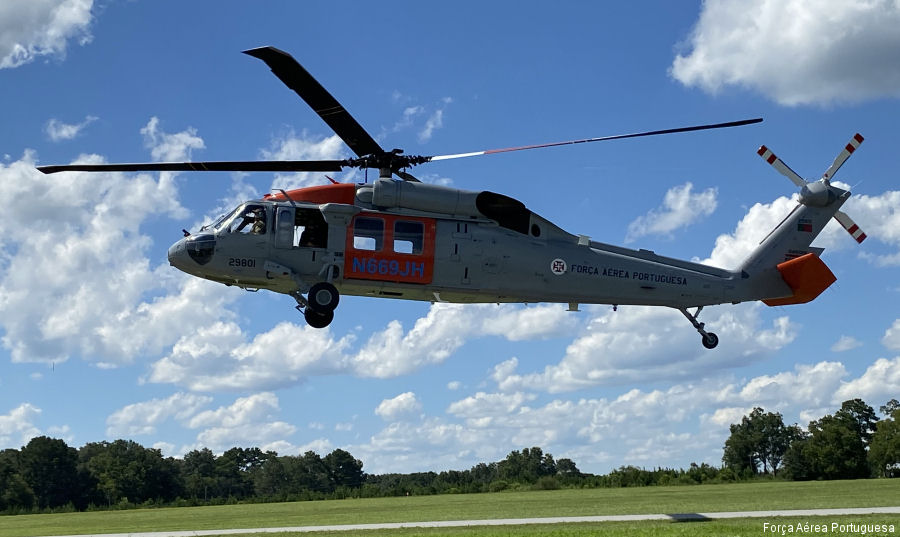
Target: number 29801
(241, 262)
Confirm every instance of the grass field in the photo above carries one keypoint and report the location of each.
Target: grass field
(669, 500)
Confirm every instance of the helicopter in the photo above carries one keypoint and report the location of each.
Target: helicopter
(405, 239)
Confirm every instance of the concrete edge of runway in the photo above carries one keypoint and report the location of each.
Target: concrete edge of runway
(678, 517)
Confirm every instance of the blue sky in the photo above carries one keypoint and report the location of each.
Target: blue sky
(101, 339)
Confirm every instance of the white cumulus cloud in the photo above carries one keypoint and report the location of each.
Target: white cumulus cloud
(796, 52)
(57, 130)
(879, 383)
(32, 28)
(219, 356)
(891, 338)
(143, 418)
(249, 421)
(678, 423)
(641, 344)
(292, 146)
(878, 215)
(404, 404)
(170, 147)
(681, 207)
(79, 276)
(846, 343)
(17, 427)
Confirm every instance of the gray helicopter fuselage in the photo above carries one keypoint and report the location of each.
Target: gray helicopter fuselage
(467, 247)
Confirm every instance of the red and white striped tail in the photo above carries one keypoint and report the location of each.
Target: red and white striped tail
(780, 166)
(852, 146)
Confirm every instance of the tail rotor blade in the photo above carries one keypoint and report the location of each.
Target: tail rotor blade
(850, 226)
(852, 146)
(780, 166)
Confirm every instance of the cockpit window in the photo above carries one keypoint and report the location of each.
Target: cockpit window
(221, 220)
(250, 219)
(217, 223)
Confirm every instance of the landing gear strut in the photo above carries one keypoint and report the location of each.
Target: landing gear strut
(709, 340)
(319, 304)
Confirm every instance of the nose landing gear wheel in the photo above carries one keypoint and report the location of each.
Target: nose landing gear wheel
(318, 319)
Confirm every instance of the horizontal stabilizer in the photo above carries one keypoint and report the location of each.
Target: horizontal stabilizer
(807, 276)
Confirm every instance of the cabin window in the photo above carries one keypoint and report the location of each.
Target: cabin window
(368, 234)
(409, 237)
(311, 230)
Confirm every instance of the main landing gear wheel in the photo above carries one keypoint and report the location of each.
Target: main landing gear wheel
(709, 340)
(323, 297)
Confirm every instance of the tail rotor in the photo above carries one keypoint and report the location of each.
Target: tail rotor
(809, 187)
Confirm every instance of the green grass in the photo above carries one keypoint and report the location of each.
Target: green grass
(685, 499)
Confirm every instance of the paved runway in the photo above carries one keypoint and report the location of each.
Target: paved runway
(514, 522)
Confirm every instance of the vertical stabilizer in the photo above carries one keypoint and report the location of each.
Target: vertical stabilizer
(790, 240)
(784, 268)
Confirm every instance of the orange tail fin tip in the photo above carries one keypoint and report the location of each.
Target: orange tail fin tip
(807, 277)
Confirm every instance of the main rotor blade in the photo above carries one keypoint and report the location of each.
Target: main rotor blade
(843, 156)
(602, 138)
(317, 97)
(220, 166)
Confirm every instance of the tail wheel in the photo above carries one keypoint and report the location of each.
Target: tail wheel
(323, 297)
(318, 319)
(710, 340)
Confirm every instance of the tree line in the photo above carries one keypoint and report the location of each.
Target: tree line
(47, 474)
(852, 443)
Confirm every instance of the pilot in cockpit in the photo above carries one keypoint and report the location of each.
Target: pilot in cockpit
(259, 222)
(255, 217)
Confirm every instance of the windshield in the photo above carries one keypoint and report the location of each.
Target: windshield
(250, 218)
(220, 220)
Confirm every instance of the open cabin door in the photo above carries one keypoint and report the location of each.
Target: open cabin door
(284, 227)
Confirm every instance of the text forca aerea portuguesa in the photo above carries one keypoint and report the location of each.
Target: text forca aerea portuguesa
(834, 527)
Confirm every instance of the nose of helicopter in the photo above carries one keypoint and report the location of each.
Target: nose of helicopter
(178, 257)
(191, 252)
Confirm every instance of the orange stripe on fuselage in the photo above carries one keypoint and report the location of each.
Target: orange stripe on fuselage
(340, 193)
